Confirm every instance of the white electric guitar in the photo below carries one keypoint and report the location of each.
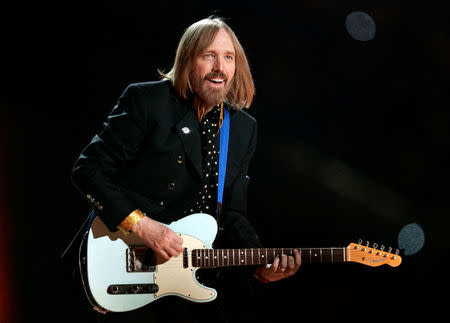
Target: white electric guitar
(120, 273)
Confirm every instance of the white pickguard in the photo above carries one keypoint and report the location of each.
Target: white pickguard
(106, 265)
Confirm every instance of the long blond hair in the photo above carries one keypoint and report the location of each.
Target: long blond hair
(196, 38)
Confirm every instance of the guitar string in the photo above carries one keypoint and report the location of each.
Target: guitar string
(204, 263)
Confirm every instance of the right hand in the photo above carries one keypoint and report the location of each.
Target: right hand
(162, 240)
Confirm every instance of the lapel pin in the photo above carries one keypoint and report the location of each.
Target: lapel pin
(185, 130)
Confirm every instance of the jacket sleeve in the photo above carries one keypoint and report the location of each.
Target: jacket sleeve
(118, 142)
(237, 230)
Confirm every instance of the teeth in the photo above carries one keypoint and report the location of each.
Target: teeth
(217, 80)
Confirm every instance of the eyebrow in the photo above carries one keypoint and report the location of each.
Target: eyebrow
(214, 51)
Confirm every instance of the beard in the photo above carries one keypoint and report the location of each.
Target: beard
(208, 94)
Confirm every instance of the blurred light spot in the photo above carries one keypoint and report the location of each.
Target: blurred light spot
(411, 239)
(360, 26)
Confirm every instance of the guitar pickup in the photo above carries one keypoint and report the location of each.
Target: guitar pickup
(140, 259)
(123, 289)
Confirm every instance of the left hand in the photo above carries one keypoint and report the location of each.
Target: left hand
(282, 267)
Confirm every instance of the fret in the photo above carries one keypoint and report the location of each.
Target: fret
(316, 255)
(245, 257)
(203, 257)
(327, 255)
(208, 256)
(217, 257)
(212, 257)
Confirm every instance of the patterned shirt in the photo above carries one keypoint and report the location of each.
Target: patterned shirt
(206, 200)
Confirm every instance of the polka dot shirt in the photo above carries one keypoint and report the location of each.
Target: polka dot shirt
(206, 200)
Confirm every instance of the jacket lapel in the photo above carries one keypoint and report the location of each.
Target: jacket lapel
(189, 133)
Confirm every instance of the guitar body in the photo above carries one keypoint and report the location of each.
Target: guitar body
(110, 284)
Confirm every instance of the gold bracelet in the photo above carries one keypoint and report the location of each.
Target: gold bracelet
(130, 220)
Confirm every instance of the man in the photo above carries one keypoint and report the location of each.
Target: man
(156, 160)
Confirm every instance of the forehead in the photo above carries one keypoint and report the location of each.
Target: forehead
(221, 42)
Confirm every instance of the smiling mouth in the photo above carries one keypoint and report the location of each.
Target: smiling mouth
(216, 78)
(216, 83)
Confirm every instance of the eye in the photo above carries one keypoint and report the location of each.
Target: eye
(229, 57)
(208, 55)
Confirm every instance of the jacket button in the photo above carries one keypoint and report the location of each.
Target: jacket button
(171, 186)
(180, 160)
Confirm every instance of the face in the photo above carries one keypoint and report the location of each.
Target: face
(213, 70)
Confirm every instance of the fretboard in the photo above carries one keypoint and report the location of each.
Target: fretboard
(261, 256)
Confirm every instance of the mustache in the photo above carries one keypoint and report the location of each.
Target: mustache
(214, 75)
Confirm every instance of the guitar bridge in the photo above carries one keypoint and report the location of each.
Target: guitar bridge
(140, 259)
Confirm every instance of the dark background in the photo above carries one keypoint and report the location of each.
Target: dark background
(353, 140)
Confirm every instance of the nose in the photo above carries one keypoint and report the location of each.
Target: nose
(218, 64)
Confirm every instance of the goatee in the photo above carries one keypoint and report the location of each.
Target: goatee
(207, 94)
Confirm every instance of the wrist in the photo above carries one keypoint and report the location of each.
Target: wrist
(130, 221)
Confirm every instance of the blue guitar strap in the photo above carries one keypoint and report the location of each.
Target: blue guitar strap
(223, 152)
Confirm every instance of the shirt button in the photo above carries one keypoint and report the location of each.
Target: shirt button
(180, 160)
(171, 186)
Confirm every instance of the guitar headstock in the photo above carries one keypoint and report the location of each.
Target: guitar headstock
(371, 256)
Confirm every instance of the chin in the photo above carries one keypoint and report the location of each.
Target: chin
(212, 98)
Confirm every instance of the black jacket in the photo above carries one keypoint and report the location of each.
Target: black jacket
(148, 156)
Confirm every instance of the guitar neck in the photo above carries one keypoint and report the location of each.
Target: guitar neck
(207, 258)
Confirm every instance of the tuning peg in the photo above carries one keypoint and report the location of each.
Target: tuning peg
(382, 248)
(389, 249)
(359, 241)
(375, 245)
(397, 251)
(367, 243)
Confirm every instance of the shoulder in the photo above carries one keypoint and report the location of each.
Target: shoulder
(242, 118)
(153, 88)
